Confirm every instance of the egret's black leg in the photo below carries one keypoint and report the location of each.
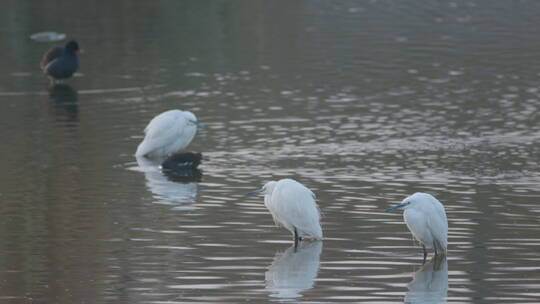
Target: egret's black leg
(296, 238)
(435, 248)
(425, 253)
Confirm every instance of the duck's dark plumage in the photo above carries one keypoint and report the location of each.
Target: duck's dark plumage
(182, 161)
(61, 62)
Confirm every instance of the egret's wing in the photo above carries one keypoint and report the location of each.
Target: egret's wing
(438, 223)
(417, 221)
(169, 123)
(272, 208)
(295, 204)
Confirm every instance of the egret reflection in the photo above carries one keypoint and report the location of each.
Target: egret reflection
(179, 190)
(294, 270)
(430, 283)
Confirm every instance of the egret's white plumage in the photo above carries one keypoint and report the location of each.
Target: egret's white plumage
(168, 133)
(293, 206)
(426, 219)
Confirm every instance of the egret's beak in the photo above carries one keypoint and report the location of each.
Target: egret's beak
(395, 207)
(199, 125)
(254, 192)
(81, 51)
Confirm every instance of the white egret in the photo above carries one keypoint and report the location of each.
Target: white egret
(426, 219)
(293, 206)
(168, 133)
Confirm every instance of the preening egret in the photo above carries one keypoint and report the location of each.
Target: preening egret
(168, 133)
(293, 206)
(426, 219)
(61, 62)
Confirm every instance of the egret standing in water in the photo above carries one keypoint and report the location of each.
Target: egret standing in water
(293, 206)
(426, 219)
(168, 133)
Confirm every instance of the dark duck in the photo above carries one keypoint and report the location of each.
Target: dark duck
(182, 161)
(61, 62)
(182, 167)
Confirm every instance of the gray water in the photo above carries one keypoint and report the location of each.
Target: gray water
(364, 102)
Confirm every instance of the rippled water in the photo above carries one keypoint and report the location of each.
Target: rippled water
(364, 102)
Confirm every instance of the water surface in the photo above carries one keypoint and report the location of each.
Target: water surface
(364, 102)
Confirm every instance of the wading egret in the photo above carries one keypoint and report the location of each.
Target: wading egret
(61, 62)
(293, 206)
(168, 133)
(426, 219)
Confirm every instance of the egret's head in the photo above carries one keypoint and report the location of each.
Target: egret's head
(193, 119)
(267, 189)
(190, 116)
(414, 200)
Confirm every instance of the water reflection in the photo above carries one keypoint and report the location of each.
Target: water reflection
(435, 96)
(183, 176)
(294, 271)
(177, 189)
(64, 100)
(430, 283)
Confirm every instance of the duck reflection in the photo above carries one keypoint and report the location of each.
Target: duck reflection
(178, 189)
(294, 271)
(430, 283)
(64, 100)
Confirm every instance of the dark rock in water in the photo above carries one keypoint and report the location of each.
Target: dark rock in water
(182, 161)
(61, 62)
